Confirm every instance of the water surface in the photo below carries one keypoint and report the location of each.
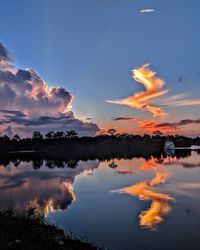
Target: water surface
(122, 204)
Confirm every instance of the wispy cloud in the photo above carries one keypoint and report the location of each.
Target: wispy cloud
(166, 126)
(152, 125)
(124, 119)
(142, 100)
(150, 99)
(147, 10)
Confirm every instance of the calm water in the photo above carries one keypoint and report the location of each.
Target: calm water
(120, 204)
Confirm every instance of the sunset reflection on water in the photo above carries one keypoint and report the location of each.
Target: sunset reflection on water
(116, 202)
(144, 190)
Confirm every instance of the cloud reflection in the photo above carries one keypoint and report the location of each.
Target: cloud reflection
(144, 190)
(47, 190)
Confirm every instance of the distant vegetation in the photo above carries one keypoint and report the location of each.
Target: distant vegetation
(68, 145)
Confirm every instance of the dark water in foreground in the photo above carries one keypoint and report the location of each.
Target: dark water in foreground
(120, 204)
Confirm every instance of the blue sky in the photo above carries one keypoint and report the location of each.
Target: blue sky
(91, 46)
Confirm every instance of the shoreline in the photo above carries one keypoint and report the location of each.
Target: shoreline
(28, 230)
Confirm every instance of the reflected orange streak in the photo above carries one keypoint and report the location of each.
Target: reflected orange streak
(143, 190)
(148, 165)
(155, 214)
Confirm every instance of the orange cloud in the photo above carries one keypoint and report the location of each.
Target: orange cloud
(142, 100)
(152, 125)
(150, 100)
(165, 127)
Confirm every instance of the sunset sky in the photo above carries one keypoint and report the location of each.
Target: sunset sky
(132, 65)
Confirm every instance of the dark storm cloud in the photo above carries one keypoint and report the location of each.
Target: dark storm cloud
(12, 112)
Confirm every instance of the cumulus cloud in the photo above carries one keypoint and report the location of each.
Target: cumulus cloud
(147, 10)
(150, 99)
(27, 101)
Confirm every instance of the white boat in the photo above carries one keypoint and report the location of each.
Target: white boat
(169, 145)
(195, 147)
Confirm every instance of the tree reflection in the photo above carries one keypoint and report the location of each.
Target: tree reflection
(47, 190)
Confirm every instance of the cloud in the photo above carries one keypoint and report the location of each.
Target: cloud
(179, 100)
(4, 56)
(23, 124)
(152, 125)
(150, 99)
(142, 100)
(27, 101)
(166, 126)
(124, 119)
(180, 79)
(147, 10)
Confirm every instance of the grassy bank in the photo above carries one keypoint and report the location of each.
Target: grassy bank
(29, 231)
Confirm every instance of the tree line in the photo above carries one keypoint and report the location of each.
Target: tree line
(110, 133)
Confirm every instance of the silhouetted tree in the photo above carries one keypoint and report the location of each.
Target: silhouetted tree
(16, 138)
(157, 133)
(71, 134)
(37, 135)
(6, 138)
(50, 135)
(112, 131)
(146, 137)
(59, 135)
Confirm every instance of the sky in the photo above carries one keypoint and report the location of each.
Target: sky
(94, 50)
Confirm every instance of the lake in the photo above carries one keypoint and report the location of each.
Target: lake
(121, 204)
